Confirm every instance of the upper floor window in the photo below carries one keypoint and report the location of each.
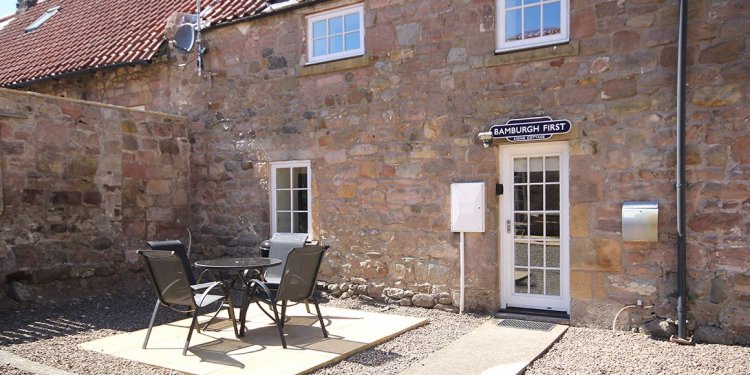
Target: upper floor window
(290, 197)
(524, 24)
(336, 34)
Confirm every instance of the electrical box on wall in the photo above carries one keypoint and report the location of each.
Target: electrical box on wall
(467, 207)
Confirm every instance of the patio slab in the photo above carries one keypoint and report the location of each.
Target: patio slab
(216, 350)
(489, 350)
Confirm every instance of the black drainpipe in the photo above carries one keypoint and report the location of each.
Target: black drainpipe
(681, 241)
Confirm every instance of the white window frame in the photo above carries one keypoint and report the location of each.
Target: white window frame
(359, 8)
(505, 46)
(288, 165)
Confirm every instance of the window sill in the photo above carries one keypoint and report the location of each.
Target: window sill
(532, 54)
(334, 66)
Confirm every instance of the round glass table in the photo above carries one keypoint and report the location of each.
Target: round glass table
(242, 268)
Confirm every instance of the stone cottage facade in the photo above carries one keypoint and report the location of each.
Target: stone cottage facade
(369, 143)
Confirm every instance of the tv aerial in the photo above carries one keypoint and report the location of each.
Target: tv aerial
(188, 37)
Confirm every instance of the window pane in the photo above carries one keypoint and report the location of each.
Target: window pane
(553, 254)
(300, 177)
(536, 167)
(351, 22)
(536, 225)
(284, 222)
(553, 283)
(513, 22)
(283, 200)
(522, 255)
(532, 18)
(536, 258)
(552, 18)
(526, 2)
(553, 225)
(320, 47)
(536, 199)
(522, 280)
(352, 41)
(300, 222)
(536, 278)
(519, 170)
(300, 200)
(319, 29)
(553, 197)
(552, 169)
(519, 198)
(336, 44)
(335, 25)
(282, 178)
(522, 225)
(512, 3)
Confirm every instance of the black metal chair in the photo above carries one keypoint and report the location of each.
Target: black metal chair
(170, 277)
(297, 284)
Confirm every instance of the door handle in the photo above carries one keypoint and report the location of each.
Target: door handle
(507, 225)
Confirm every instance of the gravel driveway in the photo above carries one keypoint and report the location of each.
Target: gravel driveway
(49, 334)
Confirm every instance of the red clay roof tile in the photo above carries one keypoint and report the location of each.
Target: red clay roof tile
(90, 34)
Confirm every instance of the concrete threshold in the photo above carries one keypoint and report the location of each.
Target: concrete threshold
(489, 350)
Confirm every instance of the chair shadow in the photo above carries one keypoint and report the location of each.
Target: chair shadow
(217, 351)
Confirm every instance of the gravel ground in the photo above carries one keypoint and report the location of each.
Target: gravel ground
(594, 351)
(49, 334)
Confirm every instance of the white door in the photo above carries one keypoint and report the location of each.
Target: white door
(534, 248)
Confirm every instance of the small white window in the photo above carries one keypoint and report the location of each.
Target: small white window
(42, 19)
(524, 24)
(291, 198)
(335, 34)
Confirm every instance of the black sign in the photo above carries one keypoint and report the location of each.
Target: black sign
(530, 129)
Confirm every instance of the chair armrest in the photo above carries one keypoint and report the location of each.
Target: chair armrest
(206, 272)
(211, 287)
(259, 284)
(201, 286)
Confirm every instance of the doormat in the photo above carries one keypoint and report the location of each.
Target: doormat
(525, 324)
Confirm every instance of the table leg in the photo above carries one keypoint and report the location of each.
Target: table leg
(243, 311)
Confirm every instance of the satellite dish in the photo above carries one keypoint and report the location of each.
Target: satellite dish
(184, 38)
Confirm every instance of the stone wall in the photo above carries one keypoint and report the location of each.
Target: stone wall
(388, 132)
(84, 185)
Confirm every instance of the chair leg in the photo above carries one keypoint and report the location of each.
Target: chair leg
(279, 325)
(307, 307)
(320, 317)
(151, 325)
(193, 324)
(283, 313)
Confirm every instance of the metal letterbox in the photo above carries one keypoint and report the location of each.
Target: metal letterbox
(640, 221)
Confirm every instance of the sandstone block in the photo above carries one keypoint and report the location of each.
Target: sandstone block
(716, 96)
(581, 285)
(713, 335)
(375, 290)
(423, 300)
(157, 187)
(721, 53)
(407, 35)
(718, 291)
(658, 328)
(446, 307)
(598, 254)
(394, 293)
(20, 292)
